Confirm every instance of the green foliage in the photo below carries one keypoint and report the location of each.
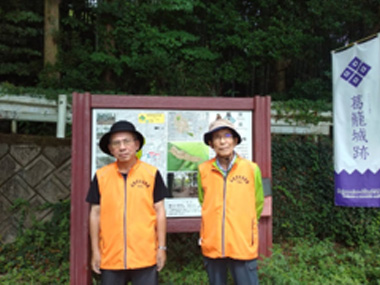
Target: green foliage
(40, 254)
(76, 40)
(185, 263)
(179, 47)
(7, 88)
(21, 42)
(314, 88)
(298, 261)
(23, 207)
(309, 261)
(171, 62)
(303, 195)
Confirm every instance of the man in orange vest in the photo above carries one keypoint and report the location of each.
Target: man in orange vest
(127, 216)
(231, 194)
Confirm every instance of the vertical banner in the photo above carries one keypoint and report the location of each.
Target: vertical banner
(356, 108)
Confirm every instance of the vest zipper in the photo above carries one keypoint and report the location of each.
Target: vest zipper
(125, 221)
(224, 214)
(224, 210)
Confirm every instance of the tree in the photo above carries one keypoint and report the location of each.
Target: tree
(208, 48)
(21, 41)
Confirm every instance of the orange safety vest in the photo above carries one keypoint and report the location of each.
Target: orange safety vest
(229, 220)
(128, 238)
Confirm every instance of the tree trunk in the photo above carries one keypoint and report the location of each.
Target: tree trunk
(280, 76)
(50, 32)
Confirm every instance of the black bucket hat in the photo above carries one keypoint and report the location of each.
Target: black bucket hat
(120, 126)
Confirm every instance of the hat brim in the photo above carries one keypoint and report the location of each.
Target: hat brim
(208, 136)
(105, 140)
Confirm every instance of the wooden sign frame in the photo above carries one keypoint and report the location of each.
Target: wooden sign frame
(83, 104)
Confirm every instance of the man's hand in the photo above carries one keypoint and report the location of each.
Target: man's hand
(161, 259)
(95, 262)
(94, 235)
(161, 234)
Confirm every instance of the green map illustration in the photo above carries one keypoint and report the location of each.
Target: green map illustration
(186, 156)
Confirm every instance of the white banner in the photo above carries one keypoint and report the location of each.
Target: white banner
(356, 101)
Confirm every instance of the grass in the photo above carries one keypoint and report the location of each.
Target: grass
(40, 255)
(295, 262)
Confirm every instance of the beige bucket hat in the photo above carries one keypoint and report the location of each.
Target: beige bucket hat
(220, 124)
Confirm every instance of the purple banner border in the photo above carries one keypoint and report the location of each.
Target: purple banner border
(356, 181)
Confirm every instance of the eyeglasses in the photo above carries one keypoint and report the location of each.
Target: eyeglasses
(118, 143)
(222, 136)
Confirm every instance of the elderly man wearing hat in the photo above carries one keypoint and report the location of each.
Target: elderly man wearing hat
(231, 194)
(127, 216)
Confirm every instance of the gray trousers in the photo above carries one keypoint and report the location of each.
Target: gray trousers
(244, 272)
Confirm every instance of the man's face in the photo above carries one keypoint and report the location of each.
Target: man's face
(123, 146)
(223, 143)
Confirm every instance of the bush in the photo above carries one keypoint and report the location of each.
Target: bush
(303, 195)
(185, 263)
(40, 254)
(310, 261)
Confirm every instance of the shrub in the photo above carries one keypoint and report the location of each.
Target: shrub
(39, 254)
(303, 195)
(185, 263)
(311, 261)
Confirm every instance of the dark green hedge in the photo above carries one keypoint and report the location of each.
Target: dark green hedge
(303, 195)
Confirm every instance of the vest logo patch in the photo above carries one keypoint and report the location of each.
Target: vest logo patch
(239, 179)
(139, 183)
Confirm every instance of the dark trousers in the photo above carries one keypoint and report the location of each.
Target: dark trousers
(142, 276)
(244, 272)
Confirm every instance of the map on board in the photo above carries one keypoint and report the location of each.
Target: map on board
(174, 144)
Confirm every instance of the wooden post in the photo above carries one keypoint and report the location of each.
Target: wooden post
(80, 273)
(263, 157)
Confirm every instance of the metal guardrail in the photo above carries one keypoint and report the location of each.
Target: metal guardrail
(26, 108)
(285, 125)
(288, 127)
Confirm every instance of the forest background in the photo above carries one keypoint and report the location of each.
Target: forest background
(224, 48)
(181, 47)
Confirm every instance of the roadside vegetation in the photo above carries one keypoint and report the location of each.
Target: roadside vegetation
(314, 241)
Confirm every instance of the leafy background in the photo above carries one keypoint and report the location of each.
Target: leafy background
(227, 48)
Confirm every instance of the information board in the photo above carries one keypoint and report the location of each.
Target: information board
(93, 114)
(174, 144)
